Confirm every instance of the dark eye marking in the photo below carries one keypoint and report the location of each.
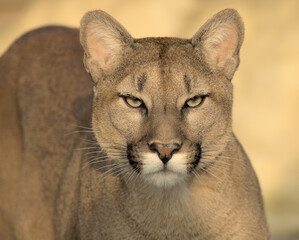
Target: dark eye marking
(141, 81)
(187, 82)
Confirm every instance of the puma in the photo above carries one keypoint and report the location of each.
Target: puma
(143, 151)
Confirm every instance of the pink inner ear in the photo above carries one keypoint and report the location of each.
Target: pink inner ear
(97, 50)
(226, 48)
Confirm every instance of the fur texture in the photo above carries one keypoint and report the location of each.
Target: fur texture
(150, 154)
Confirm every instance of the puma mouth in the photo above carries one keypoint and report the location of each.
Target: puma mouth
(161, 174)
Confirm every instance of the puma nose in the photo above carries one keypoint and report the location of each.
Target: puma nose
(165, 151)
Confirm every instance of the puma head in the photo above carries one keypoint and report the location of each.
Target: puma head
(162, 106)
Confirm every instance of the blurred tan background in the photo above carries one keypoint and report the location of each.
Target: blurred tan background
(266, 108)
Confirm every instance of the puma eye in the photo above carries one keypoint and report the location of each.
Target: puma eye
(195, 101)
(133, 102)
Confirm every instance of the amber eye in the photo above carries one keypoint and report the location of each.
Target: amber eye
(194, 102)
(133, 102)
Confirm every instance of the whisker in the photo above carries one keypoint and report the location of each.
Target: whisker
(98, 157)
(110, 171)
(85, 148)
(116, 172)
(219, 157)
(95, 161)
(133, 176)
(209, 172)
(79, 126)
(222, 161)
(79, 131)
(98, 161)
(113, 165)
(121, 172)
(238, 159)
(99, 152)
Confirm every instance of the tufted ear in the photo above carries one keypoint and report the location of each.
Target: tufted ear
(220, 40)
(104, 42)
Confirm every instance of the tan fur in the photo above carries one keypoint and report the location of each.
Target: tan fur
(62, 177)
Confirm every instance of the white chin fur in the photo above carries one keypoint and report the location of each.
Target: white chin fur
(154, 171)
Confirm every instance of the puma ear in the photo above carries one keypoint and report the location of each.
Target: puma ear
(104, 42)
(220, 40)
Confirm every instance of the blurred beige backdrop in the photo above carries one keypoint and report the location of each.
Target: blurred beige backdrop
(266, 108)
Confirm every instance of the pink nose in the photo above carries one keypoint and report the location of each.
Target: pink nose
(165, 151)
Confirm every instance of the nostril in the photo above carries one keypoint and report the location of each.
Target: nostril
(153, 147)
(176, 147)
(165, 151)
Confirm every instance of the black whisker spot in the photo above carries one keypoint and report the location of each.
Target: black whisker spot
(131, 157)
(197, 156)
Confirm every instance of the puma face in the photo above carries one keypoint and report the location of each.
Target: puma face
(163, 123)
(162, 106)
